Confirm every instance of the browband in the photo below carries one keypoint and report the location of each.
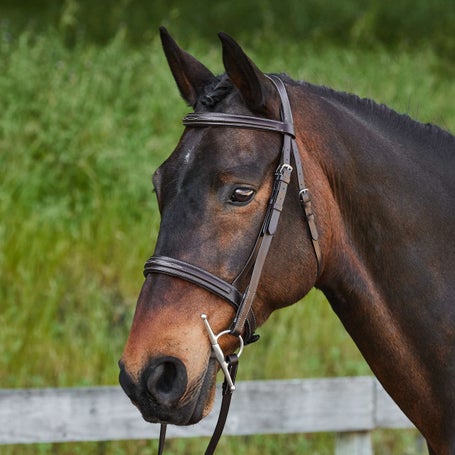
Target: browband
(238, 121)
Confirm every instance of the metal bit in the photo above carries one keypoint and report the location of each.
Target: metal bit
(218, 351)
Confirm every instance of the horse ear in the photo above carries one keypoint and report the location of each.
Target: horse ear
(256, 89)
(190, 75)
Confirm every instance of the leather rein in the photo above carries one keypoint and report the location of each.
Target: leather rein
(244, 322)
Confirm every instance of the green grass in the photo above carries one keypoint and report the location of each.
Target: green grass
(81, 132)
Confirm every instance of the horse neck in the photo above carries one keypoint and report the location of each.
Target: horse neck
(382, 276)
(392, 196)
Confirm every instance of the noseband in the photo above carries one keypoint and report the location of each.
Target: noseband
(244, 322)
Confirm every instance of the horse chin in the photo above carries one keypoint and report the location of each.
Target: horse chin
(206, 396)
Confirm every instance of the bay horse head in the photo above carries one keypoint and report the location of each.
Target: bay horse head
(220, 194)
(381, 183)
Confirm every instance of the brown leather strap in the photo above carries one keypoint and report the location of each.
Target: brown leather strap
(174, 267)
(233, 362)
(282, 179)
(237, 121)
(189, 272)
(162, 440)
(304, 193)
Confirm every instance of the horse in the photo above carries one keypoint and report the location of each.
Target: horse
(372, 228)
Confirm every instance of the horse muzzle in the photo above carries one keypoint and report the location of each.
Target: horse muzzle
(162, 392)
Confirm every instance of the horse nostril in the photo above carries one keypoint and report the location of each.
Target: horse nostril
(162, 378)
(166, 380)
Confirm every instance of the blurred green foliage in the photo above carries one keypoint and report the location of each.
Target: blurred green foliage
(359, 22)
(89, 110)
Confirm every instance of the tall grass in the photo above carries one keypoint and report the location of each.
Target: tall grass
(362, 22)
(81, 131)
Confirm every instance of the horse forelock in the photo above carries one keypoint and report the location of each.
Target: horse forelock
(216, 92)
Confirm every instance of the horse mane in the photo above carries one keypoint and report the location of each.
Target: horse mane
(403, 123)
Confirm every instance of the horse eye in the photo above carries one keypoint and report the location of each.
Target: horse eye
(242, 195)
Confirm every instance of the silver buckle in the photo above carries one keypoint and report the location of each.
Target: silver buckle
(218, 351)
(284, 168)
(304, 196)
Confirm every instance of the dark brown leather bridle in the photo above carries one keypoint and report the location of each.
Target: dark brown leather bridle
(244, 321)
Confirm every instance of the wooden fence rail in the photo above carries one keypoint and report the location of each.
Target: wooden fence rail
(352, 407)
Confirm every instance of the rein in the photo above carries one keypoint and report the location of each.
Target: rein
(244, 321)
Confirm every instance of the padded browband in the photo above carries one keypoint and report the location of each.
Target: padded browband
(238, 121)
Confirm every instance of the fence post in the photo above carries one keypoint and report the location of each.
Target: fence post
(358, 443)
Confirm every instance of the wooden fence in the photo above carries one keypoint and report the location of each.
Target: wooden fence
(352, 407)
